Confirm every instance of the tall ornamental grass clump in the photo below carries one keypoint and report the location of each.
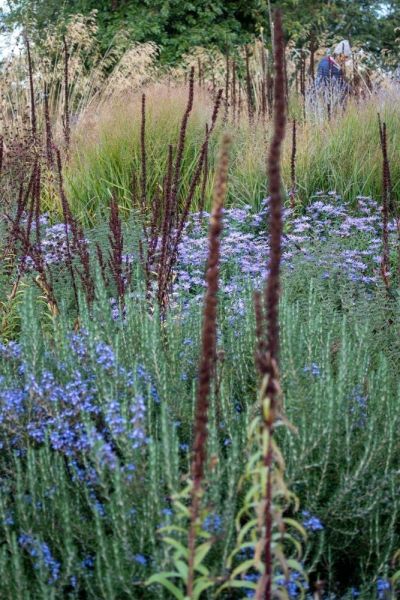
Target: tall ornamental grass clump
(107, 151)
(342, 154)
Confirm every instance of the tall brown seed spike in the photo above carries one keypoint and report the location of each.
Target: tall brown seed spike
(208, 353)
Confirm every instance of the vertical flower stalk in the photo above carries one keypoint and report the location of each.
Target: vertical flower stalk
(234, 91)
(275, 205)
(68, 224)
(31, 88)
(227, 83)
(263, 80)
(1, 154)
(181, 146)
(205, 178)
(116, 249)
(67, 125)
(143, 156)
(250, 105)
(208, 354)
(386, 195)
(267, 352)
(293, 190)
(47, 122)
(164, 282)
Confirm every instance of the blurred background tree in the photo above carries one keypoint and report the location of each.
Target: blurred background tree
(176, 25)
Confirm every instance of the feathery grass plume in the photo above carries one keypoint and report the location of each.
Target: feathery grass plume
(208, 354)
(386, 184)
(66, 116)
(268, 364)
(292, 194)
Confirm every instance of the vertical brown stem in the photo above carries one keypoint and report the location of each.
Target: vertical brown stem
(67, 128)
(205, 177)
(268, 361)
(227, 82)
(143, 156)
(293, 166)
(181, 146)
(385, 263)
(31, 89)
(250, 106)
(47, 122)
(234, 91)
(208, 355)
(1, 154)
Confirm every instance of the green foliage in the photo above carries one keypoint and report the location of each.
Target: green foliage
(177, 26)
(343, 155)
(287, 533)
(342, 469)
(174, 26)
(175, 537)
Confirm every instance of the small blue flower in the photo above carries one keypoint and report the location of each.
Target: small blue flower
(140, 559)
(311, 523)
(313, 369)
(88, 562)
(382, 586)
(212, 523)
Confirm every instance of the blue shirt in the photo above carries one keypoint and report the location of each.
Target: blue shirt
(328, 70)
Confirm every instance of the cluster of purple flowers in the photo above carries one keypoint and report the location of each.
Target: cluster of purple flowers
(383, 589)
(335, 236)
(43, 558)
(295, 585)
(68, 407)
(54, 243)
(310, 522)
(358, 407)
(313, 369)
(213, 523)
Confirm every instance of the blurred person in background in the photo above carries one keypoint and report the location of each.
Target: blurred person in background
(331, 71)
(330, 68)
